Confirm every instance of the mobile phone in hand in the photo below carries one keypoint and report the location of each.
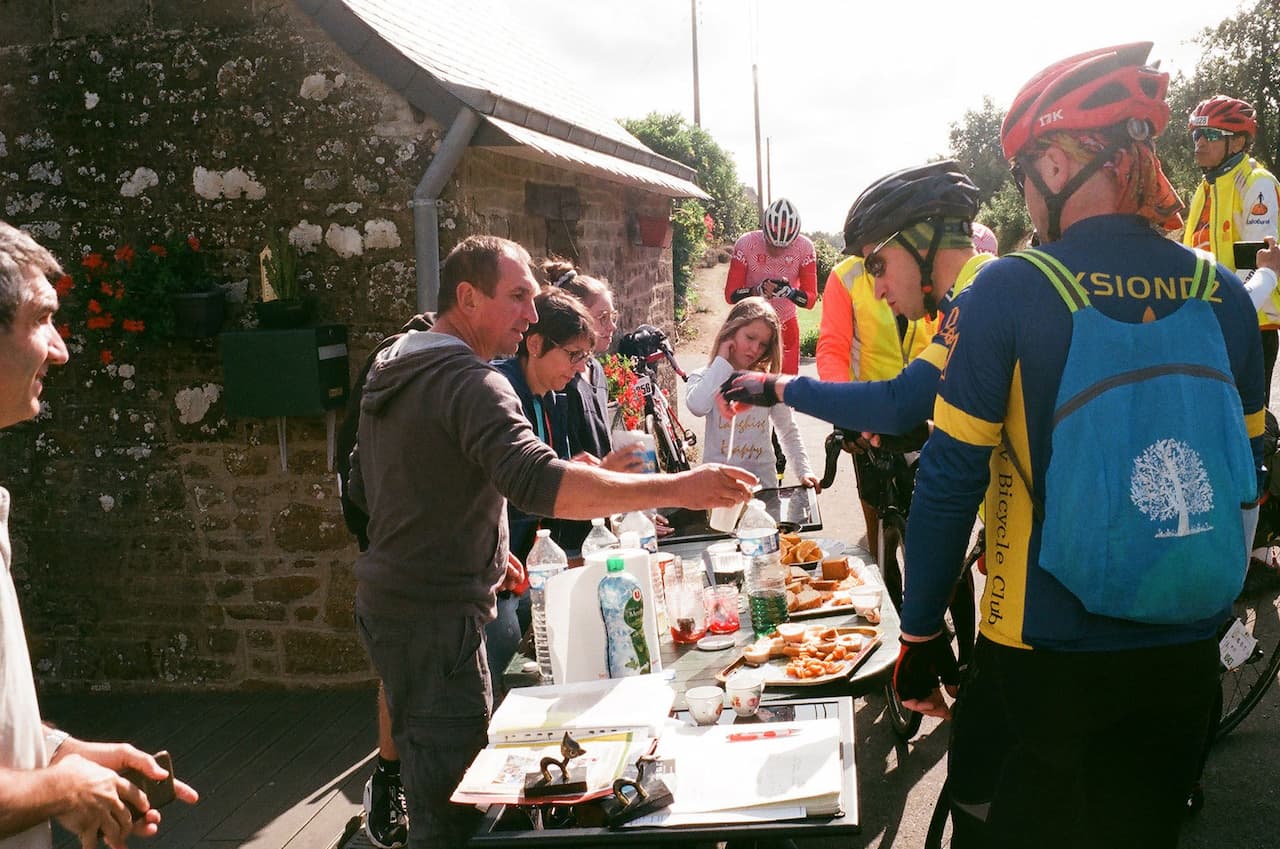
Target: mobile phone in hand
(159, 792)
(1246, 254)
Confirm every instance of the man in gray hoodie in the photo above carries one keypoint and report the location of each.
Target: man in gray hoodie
(443, 443)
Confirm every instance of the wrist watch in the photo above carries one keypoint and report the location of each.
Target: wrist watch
(53, 739)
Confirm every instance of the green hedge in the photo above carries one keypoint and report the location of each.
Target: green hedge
(688, 242)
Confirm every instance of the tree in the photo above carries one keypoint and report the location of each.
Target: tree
(1006, 214)
(1169, 480)
(827, 256)
(975, 144)
(674, 138)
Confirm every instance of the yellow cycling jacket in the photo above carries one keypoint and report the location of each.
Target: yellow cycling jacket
(858, 338)
(1243, 206)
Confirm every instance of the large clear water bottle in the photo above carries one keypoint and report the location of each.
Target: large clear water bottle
(599, 539)
(643, 526)
(545, 560)
(766, 578)
(622, 608)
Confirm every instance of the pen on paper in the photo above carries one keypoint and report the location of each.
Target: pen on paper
(744, 736)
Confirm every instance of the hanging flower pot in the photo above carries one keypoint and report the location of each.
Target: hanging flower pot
(653, 231)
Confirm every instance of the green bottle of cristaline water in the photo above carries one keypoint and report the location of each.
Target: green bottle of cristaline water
(622, 608)
(766, 578)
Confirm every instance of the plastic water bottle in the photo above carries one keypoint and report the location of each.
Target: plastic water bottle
(766, 578)
(643, 527)
(622, 608)
(599, 539)
(545, 560)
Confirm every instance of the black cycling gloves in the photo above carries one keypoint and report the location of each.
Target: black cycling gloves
(751, 387)
(782, 289)
(921, 665)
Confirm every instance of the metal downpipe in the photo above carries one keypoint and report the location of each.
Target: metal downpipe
(426, 213)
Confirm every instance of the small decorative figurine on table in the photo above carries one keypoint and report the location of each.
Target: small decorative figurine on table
(572, 780)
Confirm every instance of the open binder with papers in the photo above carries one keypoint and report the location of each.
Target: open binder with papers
(744, 773)
(615, 721)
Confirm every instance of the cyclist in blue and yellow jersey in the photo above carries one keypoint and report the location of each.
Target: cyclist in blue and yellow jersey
(911, 232)
(861, 340)
(1237, 201)
(1105, 392)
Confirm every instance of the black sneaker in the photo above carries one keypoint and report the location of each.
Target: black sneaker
(386, 817)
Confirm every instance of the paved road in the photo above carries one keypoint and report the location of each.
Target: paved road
(900, 782)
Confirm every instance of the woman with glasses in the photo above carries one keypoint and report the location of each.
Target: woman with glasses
(553, 352)
(1235, 202)
(587, 395)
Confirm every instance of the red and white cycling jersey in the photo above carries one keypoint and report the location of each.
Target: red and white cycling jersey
(755, 260)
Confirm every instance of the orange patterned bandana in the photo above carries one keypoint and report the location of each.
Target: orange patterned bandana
(1144, 189)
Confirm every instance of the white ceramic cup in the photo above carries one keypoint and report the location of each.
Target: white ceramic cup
(866, 599)
(745, 687)
(705, 704)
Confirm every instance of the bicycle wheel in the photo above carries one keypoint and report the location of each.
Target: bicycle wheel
(1258, 608)
(671, 456)
(892, 554)
(904, 721)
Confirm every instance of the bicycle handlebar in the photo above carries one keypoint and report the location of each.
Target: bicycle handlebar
(890, 444)
(649, 345)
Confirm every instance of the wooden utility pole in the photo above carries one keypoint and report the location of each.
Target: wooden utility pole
(768, 166)
(697, 100)
(755, 86)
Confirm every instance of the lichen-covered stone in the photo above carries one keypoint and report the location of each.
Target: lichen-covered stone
(317, 653)
(284, 588)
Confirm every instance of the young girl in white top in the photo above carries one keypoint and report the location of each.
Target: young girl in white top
(750, 339)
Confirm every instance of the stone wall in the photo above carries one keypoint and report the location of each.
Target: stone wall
(157, 541)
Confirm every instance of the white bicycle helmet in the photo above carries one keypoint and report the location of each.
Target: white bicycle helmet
(781, 223)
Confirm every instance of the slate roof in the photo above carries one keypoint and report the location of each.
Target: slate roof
(443, 55)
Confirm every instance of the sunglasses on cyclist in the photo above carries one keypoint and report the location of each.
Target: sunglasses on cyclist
(1210, 134)
(575, 357)
(874, 263)
(606, 315)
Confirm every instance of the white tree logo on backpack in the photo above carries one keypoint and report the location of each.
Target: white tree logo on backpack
(1169, 480)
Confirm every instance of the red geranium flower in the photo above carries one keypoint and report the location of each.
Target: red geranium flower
(94, 262)
(193, 242)
(158, 250)
(125, 254)
(64, 285)
(105, 356)
(94, 306)
(133, 325)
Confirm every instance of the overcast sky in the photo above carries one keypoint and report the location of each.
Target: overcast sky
(849, 89)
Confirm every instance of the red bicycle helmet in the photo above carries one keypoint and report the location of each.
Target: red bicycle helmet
(1100, 88)
(1224, 113)
(781, 223)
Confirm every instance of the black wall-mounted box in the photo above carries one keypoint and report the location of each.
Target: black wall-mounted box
(297, 372)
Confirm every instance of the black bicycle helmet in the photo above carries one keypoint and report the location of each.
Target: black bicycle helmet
(895, 202)
(900, 199)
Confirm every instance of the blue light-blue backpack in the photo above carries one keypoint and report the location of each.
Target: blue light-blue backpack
(1150, 461)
